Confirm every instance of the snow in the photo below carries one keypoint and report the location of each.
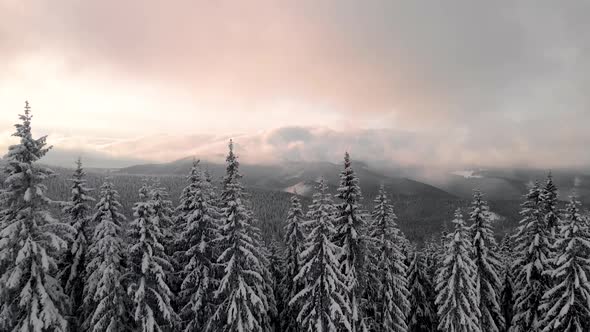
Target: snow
(468, 174)
(300, 188)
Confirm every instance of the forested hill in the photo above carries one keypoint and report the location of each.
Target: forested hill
(423, 211)
(288, 175)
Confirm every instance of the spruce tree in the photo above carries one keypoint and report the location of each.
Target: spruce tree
(567, 304)
(106, 304)
(507, 276)
(148, 268)
(350, 224)
(548, 205)
(181, 215)
(531, 264)
(163, 210)
(323, 302)
(274, 253)
(246, 302)
(294, 241)
(390, 298)
(73, 269)
(422, 313)
(488, 265)
(31, 297)
(200, 280)
(457, 300)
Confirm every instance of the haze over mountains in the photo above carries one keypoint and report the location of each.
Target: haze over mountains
(299, 177)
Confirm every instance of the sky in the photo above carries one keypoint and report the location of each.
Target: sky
(412, 83)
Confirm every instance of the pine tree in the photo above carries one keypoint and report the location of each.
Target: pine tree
(201, 231)
(73, 269)
(323, 302)
(181, 215)
(244, 292)
(548, 205)
(106, 305)
(294, 241)
(488, 266)
(532, 249)
(456, 298)
(31, 298)
(388, 269)
(350, 237)
(422, 314)
(274, 253)
(507, 293)
(567, 304)
(148, 267)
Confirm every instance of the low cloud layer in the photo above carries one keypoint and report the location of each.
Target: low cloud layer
(413, 82)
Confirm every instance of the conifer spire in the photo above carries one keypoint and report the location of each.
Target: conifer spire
(31, 240)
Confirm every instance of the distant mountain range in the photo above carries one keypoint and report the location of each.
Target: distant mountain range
(299, 177)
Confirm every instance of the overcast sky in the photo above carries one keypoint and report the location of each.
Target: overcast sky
(442, 83)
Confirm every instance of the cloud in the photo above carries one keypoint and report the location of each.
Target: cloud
(458, 81)
(382, 148)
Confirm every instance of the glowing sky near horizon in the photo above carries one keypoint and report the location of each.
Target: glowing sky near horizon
(413, 83)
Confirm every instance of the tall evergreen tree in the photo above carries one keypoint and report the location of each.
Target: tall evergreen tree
(532, 249)
(106, 305)
(182, 213)
(323, 303)
(422, 314)
(200, 280)
(488, 265)
(567, 304)
(274, 253)
(31, 298)
(148, 266)
(73, 269)
(294, 241)
(163, 210)
(457, 300)
(507, 293)
(351, 228)
(548, 205)
(244, 292)
(390, 300)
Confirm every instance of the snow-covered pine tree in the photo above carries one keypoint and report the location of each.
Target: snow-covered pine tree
(73, 267)
(388, 271)
(548, 205)
(274, 252)
(31, 297)
(294, 242)
(323, 302)
(200, 233)
(488, 265)
(181, 215)
(532, 262)
(433, 255)
(422, 314)
(148, 267)
(164, 213)
(106, 305)
(567, 304)
(351, 228)
(507, 277)
(246, 302)
(457, 301)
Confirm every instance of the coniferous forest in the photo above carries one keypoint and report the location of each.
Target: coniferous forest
(92, 264)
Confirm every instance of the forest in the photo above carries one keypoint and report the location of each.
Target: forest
(195, 254)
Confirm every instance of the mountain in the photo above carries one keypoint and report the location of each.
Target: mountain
(512, 184)
(299, 177)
